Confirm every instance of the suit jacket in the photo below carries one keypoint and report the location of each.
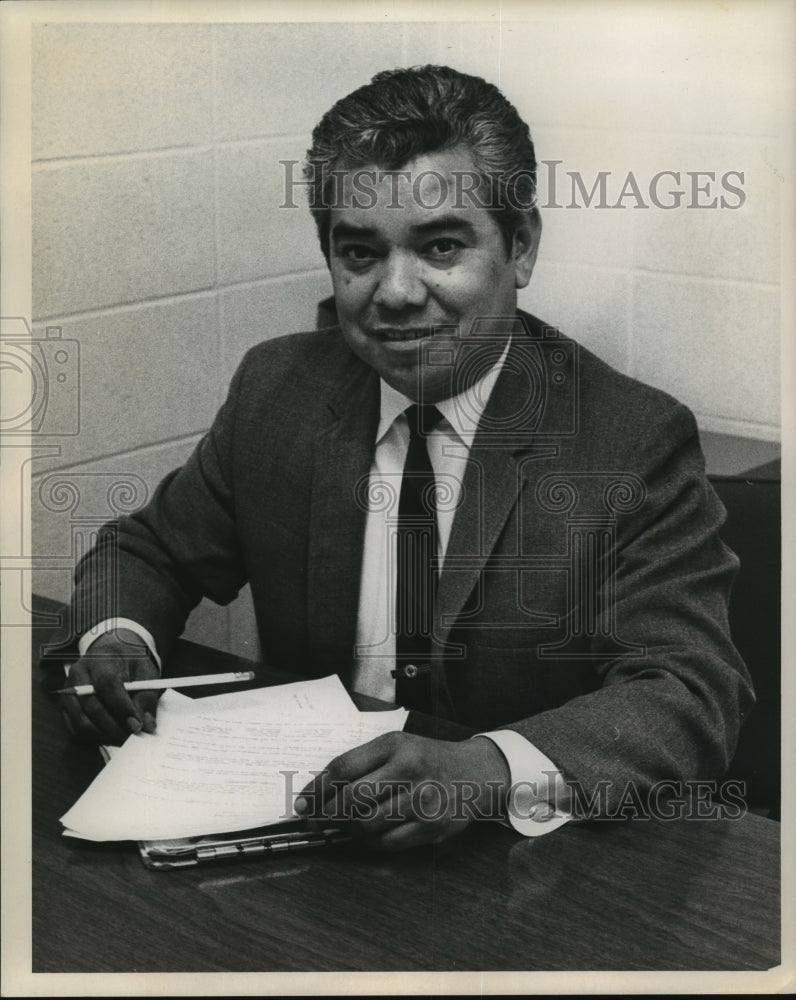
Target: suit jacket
(583, 599)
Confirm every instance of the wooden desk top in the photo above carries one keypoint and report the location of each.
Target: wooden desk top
(647, 895)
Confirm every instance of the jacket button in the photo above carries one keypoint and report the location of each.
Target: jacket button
(410, 670)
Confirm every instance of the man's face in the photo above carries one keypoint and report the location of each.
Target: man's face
(408, 254)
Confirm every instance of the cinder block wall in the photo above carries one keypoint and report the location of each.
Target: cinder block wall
(158, 244)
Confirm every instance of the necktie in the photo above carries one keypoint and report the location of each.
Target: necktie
(416, 575)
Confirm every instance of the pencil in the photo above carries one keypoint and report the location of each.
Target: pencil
(160, 683)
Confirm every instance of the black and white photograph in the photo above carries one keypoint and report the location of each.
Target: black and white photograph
(393, 433)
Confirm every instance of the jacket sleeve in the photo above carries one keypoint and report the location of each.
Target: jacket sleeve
(155, 565)
(673, 710)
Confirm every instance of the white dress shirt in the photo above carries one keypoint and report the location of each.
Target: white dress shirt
(532, 772)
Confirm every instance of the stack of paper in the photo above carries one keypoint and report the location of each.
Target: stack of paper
(230, 762)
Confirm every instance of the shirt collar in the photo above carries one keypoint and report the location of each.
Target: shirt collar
(463, 412)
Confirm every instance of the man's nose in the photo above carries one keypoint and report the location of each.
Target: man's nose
(400, 282)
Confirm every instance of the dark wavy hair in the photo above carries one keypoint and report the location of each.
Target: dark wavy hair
(405, 113)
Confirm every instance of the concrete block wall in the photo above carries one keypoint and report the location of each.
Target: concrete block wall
(159, 247)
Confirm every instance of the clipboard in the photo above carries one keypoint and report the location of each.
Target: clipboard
(282, 838)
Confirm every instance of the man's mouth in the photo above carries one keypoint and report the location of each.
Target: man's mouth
(400, 333)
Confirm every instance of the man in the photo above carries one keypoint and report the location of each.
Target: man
(565, 592)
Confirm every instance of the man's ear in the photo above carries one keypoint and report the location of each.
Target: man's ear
(525, 246)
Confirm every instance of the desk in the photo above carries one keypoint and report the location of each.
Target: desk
(646, 895)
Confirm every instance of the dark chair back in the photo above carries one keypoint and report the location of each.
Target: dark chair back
(752, 531)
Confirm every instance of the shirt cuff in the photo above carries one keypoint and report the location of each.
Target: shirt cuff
(108, 625)
(534, 781)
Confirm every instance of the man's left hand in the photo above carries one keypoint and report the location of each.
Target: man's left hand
(401, 790)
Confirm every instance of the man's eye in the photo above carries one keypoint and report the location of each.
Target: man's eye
(358, 253)
(443, 247)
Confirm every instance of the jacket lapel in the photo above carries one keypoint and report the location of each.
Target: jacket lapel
(518, 439)
(343, 452)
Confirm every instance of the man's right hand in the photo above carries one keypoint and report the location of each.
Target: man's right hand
(111, 713)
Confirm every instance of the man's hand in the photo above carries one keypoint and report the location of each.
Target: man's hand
(111, 714)
(401, 790)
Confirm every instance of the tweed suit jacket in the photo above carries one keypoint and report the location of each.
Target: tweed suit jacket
(583, 598)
